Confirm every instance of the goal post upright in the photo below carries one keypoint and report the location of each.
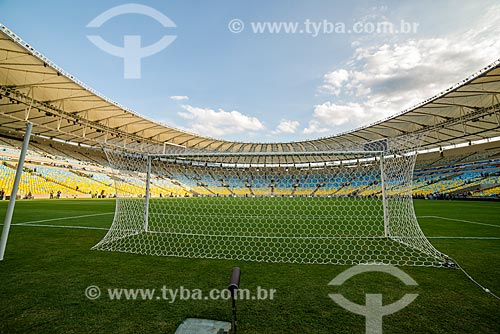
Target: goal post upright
(148, 194)
(384, 196)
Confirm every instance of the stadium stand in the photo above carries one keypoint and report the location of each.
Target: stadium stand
(56, 167)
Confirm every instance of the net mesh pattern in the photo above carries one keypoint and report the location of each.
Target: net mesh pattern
(346, 206)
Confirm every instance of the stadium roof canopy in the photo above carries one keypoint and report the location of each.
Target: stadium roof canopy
(34, 89)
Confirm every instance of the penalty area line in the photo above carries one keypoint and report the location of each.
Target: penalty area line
(459, 220)
(64, 218)
(469, 238)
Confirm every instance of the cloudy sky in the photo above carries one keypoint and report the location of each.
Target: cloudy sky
(262, 71)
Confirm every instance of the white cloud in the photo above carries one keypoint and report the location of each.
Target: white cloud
(328, 115)
(209, 122)
(379, 81)
(286, 126)
(315, 127)
(334, 81)
(179, 97)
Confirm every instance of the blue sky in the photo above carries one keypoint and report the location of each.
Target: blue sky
(251, 86)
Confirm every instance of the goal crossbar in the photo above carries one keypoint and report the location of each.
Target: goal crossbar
(298, 153)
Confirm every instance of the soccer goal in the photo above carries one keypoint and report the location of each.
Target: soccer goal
(347, 206)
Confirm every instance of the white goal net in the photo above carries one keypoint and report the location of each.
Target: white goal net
(346, 206)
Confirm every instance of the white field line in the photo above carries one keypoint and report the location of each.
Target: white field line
(64, 218)
(34, 224)
(460, 220)
(473, 238)
(106, 229)
(62, 226)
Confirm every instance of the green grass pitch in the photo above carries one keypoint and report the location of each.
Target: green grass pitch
(278, 216)
(49, 264)
(317, 230)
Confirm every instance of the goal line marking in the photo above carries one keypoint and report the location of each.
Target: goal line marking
(460, 220)
(65, 218)
(107, 229)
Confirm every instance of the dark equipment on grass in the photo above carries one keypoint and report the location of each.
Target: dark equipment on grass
(205, 326)
(234, 285)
